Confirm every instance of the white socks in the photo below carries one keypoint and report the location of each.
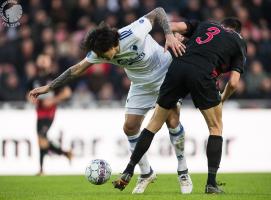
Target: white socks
(177, 140)
(144, 164)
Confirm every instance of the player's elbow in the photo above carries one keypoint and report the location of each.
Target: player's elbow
(159, 9)
(233, 84)
(234, 79)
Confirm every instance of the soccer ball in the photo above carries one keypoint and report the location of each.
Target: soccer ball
(98, 172)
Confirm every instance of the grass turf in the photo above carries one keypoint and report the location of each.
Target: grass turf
(239, 186)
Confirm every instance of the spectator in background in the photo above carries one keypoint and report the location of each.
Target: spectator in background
(100, 11)
(193, 10)
(57, 13)
(264, 48)
(82, 97)
(255, 79)
(10, 89)
(82, 8)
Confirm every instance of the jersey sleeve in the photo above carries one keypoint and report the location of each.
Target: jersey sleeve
(192, 25)
(140, 29)
(239, 60)
(93, 58)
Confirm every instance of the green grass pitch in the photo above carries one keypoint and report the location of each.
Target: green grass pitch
(251, 186)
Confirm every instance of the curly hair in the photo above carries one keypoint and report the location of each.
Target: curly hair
(101, 39)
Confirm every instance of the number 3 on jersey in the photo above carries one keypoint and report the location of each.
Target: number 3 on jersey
(212, 31)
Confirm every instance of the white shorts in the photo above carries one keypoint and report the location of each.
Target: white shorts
(139, 102)
(143, 96)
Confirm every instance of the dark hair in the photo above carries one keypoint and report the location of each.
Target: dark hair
(232, 22)
(101, 39)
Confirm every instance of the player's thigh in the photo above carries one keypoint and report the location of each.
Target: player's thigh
(43, 126)
(158, 118)
(204, 91)
(139, 102)
(173, 87)
(213, 118)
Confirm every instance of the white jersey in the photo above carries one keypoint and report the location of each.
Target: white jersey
(143, 59)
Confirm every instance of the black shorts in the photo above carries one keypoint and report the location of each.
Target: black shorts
(43, 125)
(184, 78)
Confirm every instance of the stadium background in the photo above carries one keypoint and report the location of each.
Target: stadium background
(90, 122)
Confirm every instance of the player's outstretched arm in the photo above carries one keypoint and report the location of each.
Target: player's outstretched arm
(230, 86)
(66, 77)
(159, 15)
(70, 74)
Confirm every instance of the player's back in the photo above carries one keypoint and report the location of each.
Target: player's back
(143, 59)
(213, 47)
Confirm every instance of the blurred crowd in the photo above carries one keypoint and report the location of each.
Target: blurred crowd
(56, 28)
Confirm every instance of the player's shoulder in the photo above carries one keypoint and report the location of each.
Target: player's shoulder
(136, 29)
(125, 33)
(237, 37)
(92, 55)
(206, 24)
(209, 23)
(203, 25)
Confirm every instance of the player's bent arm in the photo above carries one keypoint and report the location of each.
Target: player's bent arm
(67, 76)
(179, 27)
(70, 74)
(159, 15)
(231, 85)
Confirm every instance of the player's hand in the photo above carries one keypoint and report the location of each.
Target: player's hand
(179, 36)
(176, 46)
(33, 94)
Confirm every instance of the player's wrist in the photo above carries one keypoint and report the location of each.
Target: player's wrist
(169, 35)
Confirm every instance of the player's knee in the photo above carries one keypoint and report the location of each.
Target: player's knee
(216, 129)
(172, 122)
(173, 118)
(131, 128)
(43, 143)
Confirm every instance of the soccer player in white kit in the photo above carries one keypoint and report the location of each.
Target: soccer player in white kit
(145, 63)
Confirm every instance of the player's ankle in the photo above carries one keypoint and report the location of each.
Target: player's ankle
(182, 172)
(148, 174)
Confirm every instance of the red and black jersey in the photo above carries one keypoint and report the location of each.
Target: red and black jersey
(214, 49)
